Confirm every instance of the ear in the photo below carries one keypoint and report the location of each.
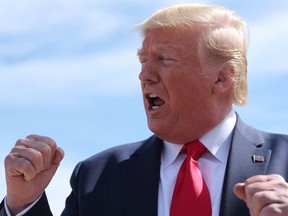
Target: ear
(224, 80)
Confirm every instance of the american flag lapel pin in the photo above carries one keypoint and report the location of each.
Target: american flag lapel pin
(258, 159)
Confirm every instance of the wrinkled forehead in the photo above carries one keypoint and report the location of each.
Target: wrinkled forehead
(169, 40)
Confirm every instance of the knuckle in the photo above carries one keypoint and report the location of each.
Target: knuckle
(52, 144)
(36, 156)
(271, 209)
(46, 151)
(277, 177)
(32, 136)
(23, 165)
(43, 139)
(11, 159)
(258, 196)
(8, 160)
(20, 142)
(26, 167)
(261, 198)
(283, 185)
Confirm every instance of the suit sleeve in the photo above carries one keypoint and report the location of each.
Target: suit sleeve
(40, 208)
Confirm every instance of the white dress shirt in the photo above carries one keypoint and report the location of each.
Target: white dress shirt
(212, 165)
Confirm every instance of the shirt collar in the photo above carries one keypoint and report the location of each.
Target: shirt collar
(215, 140)
(170, 153)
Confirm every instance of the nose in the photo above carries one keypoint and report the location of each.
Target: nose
(148, 73)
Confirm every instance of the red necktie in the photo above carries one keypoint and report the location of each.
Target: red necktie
(191, 196)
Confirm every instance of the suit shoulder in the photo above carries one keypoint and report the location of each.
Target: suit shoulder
(276, 139)
(260, 136)
(114, 156)
(109, 163)
(125, 151)
(272, 136)
(119, 153)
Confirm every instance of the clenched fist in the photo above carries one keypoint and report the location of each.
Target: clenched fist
(29, 168)
(265, 195)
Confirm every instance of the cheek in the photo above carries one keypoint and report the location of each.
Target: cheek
(189, 97)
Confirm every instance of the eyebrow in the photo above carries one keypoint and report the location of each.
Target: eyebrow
(161, 48)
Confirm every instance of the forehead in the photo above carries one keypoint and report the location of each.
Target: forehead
(167, 40)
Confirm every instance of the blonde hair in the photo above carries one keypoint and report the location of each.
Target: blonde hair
(223, 39)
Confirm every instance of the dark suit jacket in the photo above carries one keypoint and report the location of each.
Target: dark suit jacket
(124, 180)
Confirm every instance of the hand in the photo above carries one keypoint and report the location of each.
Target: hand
(265, 195)
(29, 168)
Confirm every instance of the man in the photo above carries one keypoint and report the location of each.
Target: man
(193, 61)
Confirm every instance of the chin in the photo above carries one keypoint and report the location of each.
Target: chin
(159, 131)
(155, 128)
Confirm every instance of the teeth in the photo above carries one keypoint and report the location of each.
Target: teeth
(155, 107)
(152, 96)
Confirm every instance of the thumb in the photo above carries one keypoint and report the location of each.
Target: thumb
(239, 190)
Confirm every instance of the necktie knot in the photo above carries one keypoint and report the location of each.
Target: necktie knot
(194, 149)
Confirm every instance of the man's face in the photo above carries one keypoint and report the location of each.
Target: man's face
(177, 94)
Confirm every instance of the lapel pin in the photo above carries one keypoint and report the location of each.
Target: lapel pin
(258, 159)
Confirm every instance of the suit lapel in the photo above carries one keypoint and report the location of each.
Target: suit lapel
(2, 209)
(141, 179)
(246, 143)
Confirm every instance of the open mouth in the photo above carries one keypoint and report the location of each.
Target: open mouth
(154, 101)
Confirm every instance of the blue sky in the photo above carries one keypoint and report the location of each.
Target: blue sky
(69, 70)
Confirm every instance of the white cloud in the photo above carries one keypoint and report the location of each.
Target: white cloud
(53, 27)
(45, 80)
(59, 50)
(34, 15)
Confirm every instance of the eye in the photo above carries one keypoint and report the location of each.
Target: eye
(142, 59)
(166, 59)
